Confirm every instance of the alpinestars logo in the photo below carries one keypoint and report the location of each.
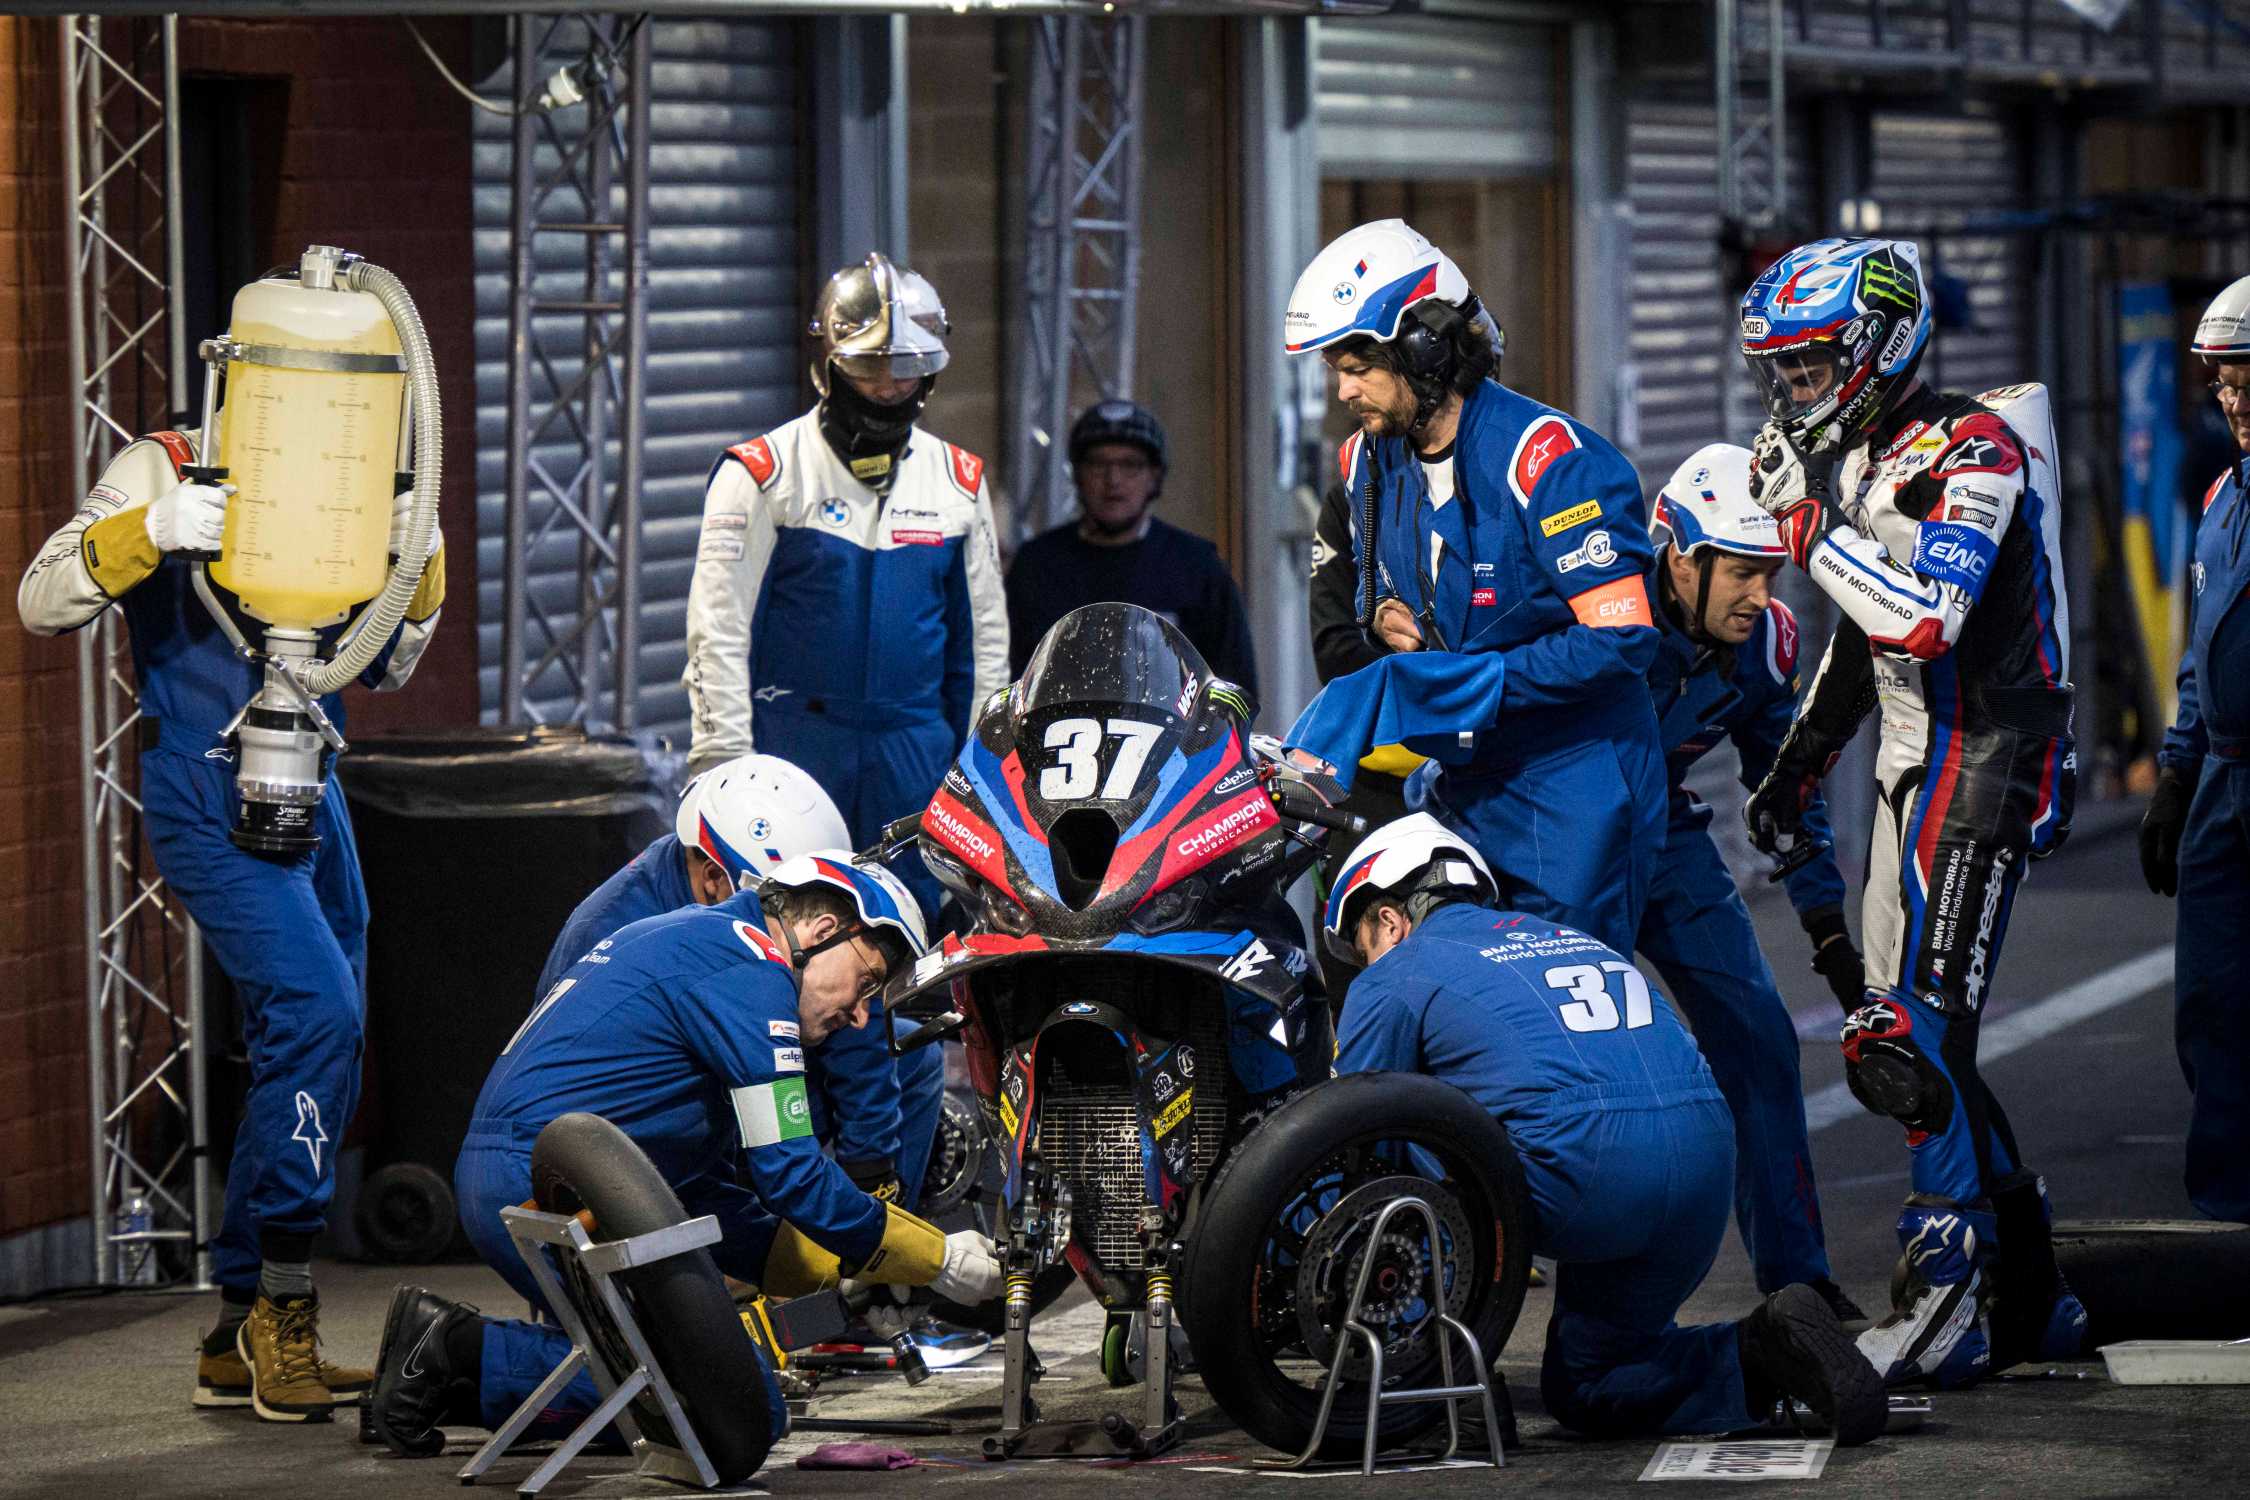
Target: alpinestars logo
(308, 1128)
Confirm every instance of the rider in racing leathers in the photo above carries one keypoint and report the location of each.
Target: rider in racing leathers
(847, 602)
(1931, 520)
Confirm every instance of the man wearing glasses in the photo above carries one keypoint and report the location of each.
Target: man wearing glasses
(1117, 550)
(2195, 840)
(688, 1031)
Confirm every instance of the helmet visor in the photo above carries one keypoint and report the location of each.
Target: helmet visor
(1800, 386)
(891, 364)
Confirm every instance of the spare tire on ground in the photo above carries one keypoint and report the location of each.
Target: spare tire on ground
(2157, 1278)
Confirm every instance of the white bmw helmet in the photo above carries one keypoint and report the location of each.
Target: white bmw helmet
(1706, 503)
(1364, 283)
(885, 905)
(1412, 856)
(2224, 334)
(756, 812)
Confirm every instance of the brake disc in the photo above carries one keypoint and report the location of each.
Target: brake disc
(957, 1157)
(1396, 1308)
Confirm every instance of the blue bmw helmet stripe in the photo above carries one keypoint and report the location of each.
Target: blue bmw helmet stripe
(1379, 312)
(728, 857)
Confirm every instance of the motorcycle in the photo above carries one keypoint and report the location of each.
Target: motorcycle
(1153, 1069)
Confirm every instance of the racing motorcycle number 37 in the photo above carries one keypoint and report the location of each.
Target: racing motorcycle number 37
(1077, 767)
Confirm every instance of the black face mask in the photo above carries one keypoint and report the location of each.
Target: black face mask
(866, 435)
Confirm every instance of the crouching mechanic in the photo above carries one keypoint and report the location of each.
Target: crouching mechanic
(737, 821)
(289, 930)
(688, 1032)
(1727, 668)
(1932, 521)
(1624, 1138)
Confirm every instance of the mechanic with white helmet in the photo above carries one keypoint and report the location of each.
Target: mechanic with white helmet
(688, 1031)
(1503, 557)
(846, 609)
(2195, 840)
(736, 822)
(1727, 669)
(1622, 1132)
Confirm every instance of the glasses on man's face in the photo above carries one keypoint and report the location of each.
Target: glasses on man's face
(871, 974)
(1118, 468)
(2229, 395)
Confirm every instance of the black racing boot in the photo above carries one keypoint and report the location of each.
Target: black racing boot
(1792, 1345)
(1840, 1303)
(421, 1379)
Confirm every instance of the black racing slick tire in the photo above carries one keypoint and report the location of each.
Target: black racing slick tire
(2157, 1278)
(583, 1162)
(1312, 1172)
(405, 1214)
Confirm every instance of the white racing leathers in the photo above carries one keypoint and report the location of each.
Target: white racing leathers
(1945, 559)
(852, 631)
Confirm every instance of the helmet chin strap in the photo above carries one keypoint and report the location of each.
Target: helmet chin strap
(799, 957)
(1701, 627)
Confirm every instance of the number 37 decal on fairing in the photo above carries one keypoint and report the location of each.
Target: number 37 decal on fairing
(1078, 746)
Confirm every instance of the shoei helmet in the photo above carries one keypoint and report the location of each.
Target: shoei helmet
(1832, 332)
(886, 908)
(755, 812)
(1706, 504)
(2223, 337)
(876, 321)
(1119, 422)
(1416, 861)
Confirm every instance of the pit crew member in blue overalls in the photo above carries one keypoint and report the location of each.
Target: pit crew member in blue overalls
(290, 931)
(1624, 1137)
(1933, 523)
(1520, 658)
(2195, 839)
(688, 1031)
(1728, 670)
(737, 821)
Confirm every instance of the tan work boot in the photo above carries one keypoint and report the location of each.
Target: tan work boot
(280, 1345)
(222, 1379)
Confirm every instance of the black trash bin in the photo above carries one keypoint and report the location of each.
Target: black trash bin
(476, 846)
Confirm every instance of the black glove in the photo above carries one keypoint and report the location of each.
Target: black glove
(2160, 830)
(1834, 958)
(1775, 812)
(876, 1178)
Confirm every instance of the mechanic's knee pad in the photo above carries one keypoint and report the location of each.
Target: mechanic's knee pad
(1887, 1070)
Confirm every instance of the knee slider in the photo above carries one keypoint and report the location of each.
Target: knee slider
(1888, 1072)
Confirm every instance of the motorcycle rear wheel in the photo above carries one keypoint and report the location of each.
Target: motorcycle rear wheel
(1300, 1192)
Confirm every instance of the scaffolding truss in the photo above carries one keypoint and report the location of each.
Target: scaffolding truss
(1752, 115)
(1082, 244)
(576, 368)
(147, 1104)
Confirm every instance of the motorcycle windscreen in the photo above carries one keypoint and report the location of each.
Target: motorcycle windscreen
(1113, 656)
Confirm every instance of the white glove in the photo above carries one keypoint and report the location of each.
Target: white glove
(887, 1315)
(402, 514)
(188, 517)
(971, 1273)
(1780, 476)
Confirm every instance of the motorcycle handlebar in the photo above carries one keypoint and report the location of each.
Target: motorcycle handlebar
(1307, 808)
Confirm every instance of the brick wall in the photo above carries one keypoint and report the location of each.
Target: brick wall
(374, 155)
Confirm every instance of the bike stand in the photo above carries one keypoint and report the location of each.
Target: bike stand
(1377, 1398)
(601, 1328)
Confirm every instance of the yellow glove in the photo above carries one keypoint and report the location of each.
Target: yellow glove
(912, 1253)
(1391, 760)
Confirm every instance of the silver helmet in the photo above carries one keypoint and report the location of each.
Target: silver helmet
(875, 321)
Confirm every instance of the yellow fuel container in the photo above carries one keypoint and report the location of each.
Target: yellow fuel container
(309, 438)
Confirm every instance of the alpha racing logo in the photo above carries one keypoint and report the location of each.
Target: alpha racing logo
(1235, 781)
(1248, 818)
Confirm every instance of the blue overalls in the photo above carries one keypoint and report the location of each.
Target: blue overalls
(2211, 991)
(665, 1029)
(1624, 1136)
(1530, 586)
(1699, 935)
(873, 1109)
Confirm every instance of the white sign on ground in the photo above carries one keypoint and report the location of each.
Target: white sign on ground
(1789, 1458)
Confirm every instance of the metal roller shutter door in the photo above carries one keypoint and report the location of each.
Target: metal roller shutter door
(724, 348)
(1934, 173)
(1436, 96)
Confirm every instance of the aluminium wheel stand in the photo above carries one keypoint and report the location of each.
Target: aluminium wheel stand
(586, 1319)
(1377, 1398)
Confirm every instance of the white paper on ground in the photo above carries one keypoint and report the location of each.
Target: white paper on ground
(1786, 1458)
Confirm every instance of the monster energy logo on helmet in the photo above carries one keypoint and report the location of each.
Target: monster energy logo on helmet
(1881, 281)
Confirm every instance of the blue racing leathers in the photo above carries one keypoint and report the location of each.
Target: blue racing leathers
(2210, 740)
(1625, 1141)
(856, 630)
(880, 1115)
(290, 931)
(1698, 932)
(1529, 582)
(682, 1031)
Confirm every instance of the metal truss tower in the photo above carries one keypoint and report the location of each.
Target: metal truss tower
(576, 369)
(1082, 250)
(1752, 117)
(128, 372)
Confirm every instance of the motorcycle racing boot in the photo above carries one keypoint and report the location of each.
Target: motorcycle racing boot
(1938, 1331)
(279, 1346)
(1792, 1345)
(222, 1379)
(423, 1377)
(1841, 1304)
(2035, 1315)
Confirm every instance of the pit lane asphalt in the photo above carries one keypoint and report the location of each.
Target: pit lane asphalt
(94, 1393)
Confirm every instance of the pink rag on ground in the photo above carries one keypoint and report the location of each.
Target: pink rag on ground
(856, 1456)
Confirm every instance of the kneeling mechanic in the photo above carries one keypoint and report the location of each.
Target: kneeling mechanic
(687, 1031)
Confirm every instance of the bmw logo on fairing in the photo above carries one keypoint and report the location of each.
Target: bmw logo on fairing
(834, 512)
(1345, 292)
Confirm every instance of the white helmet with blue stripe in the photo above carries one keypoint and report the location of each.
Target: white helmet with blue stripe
(885, 905)
(1364, 283)
(2223, 334)
(1706, 504)
(752, 814)
(1413, 856)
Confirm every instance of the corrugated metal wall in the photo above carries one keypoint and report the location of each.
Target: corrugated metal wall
(1932, 173)
(1420, 96)
(724, 345)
